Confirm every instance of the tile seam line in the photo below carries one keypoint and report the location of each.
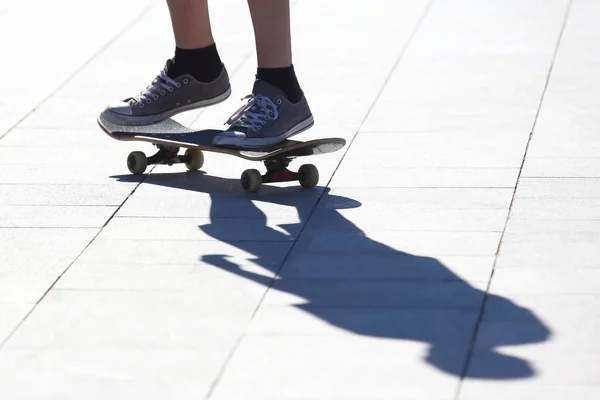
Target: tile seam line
(110, 42)
(221, 371)
(58, 278)
(469, 355)
(102, 49)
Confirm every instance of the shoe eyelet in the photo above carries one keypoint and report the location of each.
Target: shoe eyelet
(148, 101)
(141, 105)
(162, 92)
(170, 89)
(155, 97)
(279, 101)
(185, 81)
(178, 85)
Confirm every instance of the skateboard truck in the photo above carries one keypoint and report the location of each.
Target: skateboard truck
(277, 171)
(251, 179)
(137, 160)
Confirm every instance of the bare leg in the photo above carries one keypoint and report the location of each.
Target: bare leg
(191, 23)
(271, 20)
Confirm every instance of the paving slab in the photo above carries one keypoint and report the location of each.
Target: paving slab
(96, 373)
(190, 252)
(358, 177)
(449, 251)
(63, 195)
(22, 216)
(560, 249)
(561, 167)
(558, 188)
(352, 266)
(336, 368)
(436, 150)
(92, 319)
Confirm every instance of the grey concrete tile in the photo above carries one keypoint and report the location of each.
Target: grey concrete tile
(202, 229)
(555, 208)
(11, 315)
(58, 156)
(66, 112)
(561, 249)
(374, 216)
(546, 281)
(28, 252)
(552, 226)
(187, 277)
(336, 368)
(436, 326)
(419, 198)
(484, 32)
(63, 195)
(530, 388)
(19, 288)
(374, 293)
(548, 370)
(57, 138)
(194, 195)
(94, 174)
(548, 323)
(121, 374)
(570, 255)
(575, 144)
(387, 266)
(430, 244)
(84, 319)
(558, 188)
(437, 150)
(351, 177)
(189, 252)
(436, 121)
(21, 216)
(561, 167)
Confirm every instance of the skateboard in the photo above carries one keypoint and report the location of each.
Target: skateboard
(169, 136)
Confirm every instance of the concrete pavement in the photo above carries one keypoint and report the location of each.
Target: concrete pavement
(450, 251)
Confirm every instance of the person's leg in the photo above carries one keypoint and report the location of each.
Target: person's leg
(194, 78)
(195, 51)
(278, 108)
(272, 33)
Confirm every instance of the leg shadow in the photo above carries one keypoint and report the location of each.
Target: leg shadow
(360, 285)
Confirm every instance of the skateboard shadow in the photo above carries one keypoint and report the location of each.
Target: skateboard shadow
(357, 284)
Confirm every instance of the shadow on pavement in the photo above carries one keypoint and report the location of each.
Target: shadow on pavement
(360, 285)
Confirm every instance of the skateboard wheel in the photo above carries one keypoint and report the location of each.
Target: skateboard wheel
(195, 159)
(251, 180)
(309, 176)
(137, 162)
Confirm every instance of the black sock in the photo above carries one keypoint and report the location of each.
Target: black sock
(284, 79)
(203, 64)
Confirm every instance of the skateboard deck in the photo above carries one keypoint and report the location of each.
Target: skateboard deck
(169, 135)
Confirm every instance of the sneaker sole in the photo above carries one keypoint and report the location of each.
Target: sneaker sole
(152, 119)
(264, 142)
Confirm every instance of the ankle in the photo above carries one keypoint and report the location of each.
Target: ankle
(283, 79)
(204, 64)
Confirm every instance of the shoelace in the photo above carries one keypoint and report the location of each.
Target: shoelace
(158, 86)
(255, 113)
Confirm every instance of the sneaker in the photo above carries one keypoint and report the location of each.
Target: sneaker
(165, 97)
(267, 119)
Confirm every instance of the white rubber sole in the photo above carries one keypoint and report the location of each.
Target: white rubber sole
(230, 140)
(152, 119)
